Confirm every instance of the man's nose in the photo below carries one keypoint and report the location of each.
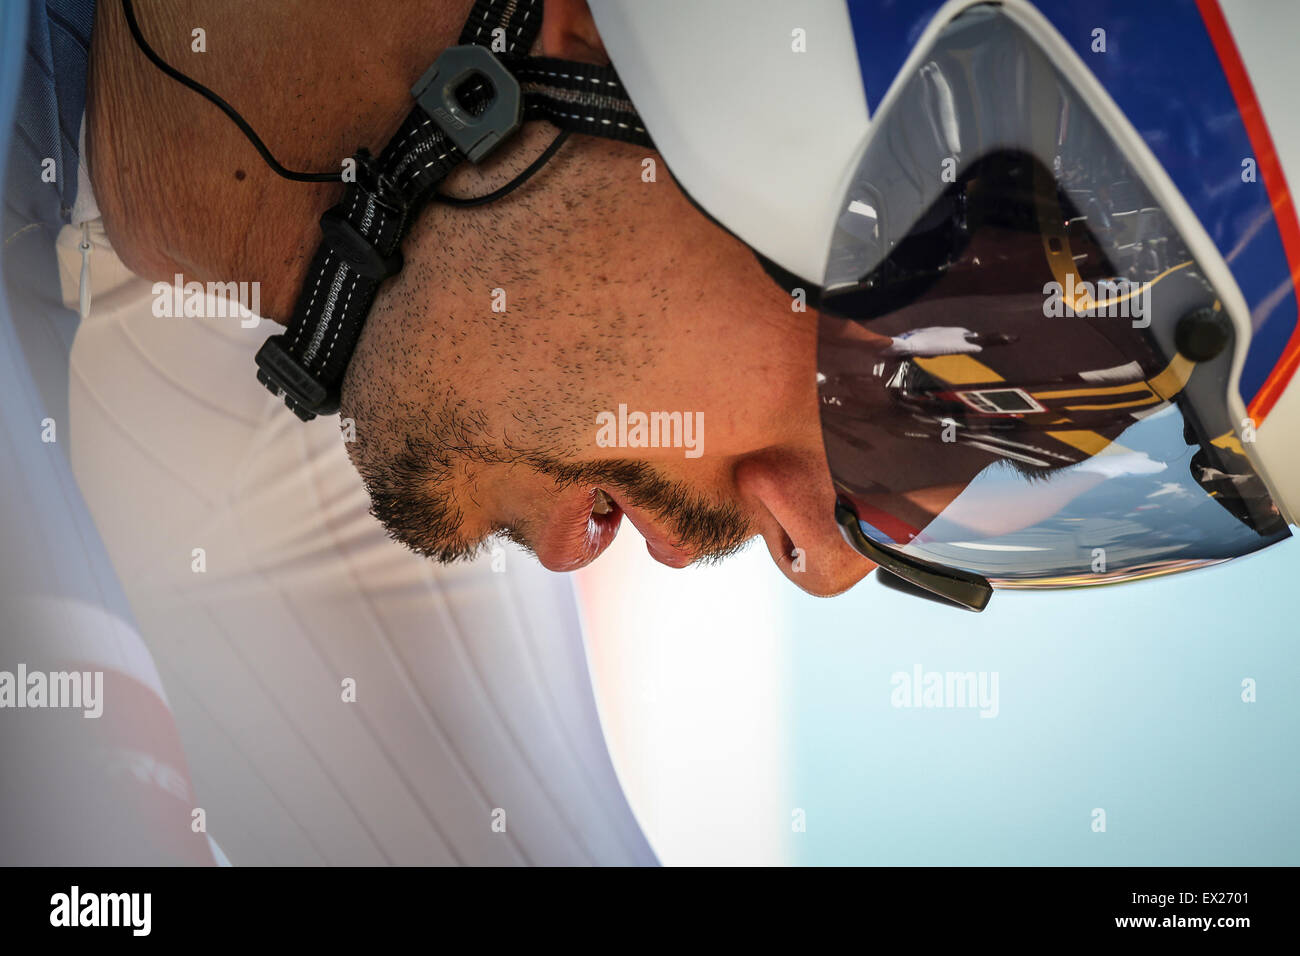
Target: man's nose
(796, 504)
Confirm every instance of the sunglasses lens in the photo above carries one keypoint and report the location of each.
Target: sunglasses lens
(1024, 369)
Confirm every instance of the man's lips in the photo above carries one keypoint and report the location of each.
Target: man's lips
(571, 537)
(657, 541)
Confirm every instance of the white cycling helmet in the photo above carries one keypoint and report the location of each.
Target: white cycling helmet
(1055, 258)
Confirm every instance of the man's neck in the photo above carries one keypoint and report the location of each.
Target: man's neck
(180, 188)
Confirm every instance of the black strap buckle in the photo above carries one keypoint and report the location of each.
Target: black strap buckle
(282, 374)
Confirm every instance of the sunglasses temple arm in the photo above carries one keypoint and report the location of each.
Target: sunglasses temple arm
(921, 578)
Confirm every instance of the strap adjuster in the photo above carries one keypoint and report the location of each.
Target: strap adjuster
(355, 249)
(435, 93)
(283, 374)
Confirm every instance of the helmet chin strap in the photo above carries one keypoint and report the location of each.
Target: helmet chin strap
(474, 97)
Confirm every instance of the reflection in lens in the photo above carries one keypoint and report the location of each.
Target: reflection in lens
(1001, 388)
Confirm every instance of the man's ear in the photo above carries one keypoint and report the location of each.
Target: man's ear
(569, 33)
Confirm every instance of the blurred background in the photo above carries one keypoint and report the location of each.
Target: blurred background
(731, 701)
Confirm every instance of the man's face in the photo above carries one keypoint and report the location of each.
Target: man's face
(510, 379)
